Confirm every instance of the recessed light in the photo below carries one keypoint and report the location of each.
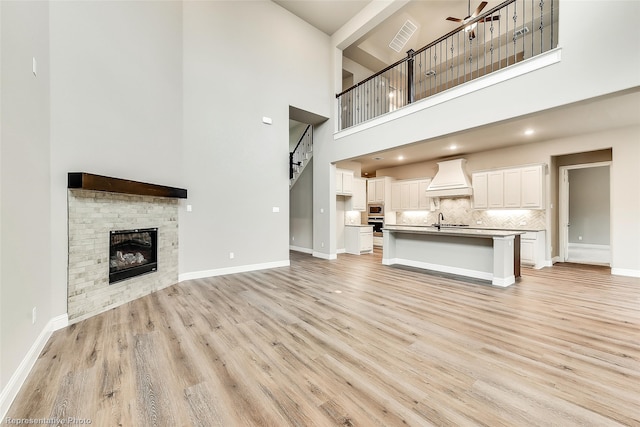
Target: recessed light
(529, 132)
(400, 157)
(378, 158)
(453, 147)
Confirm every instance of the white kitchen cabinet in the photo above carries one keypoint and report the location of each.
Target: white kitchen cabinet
(358, 239)
(480, 189)
(513, 188)
(396, 198)
(424, 202)
(532, 246)
(512, 185)
(358, 200)
(495, 189)
(379, 190)
(533, 187)
(344, 182)
(409, 195)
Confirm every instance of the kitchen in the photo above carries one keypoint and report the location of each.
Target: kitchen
(492, 203)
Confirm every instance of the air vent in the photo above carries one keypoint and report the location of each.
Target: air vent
(520, 32)
(403, 36)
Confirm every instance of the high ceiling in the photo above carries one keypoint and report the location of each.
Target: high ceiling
(373, 52)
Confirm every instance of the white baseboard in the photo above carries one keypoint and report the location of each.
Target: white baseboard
(301, 249)
(231, 270)
(444, 269)
(341, 251)
(555, 259)
(10, 391)
(589, 246)
(325, 256)
(625, 272)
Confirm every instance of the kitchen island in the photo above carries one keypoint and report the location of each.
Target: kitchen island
(492, 255)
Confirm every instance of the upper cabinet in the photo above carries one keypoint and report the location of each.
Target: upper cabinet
(410, 194)
(513, 188)
(532, 194)
(379, 190)
(344, 182)
(358, 201)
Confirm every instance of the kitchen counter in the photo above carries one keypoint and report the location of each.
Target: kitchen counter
(458, 231)
(487, 254)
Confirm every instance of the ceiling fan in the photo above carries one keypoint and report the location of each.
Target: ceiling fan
(471, 28)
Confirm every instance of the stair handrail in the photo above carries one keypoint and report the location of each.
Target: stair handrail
(292, 153)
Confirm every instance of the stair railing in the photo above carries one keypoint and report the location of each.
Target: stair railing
(299, 153)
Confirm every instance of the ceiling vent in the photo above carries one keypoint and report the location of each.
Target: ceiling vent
(520, 32)
(403, 36)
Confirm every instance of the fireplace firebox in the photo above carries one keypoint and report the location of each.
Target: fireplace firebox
(132, 253)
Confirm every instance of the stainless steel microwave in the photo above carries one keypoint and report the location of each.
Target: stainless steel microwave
(376, 210)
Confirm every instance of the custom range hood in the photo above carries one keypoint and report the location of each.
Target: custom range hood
(451, 180)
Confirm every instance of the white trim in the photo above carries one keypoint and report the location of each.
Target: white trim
(301, 249)
(528, 65)
(231, 270)
(10, 391)
(503, 282)
(476, 274)
(554, 260)
(325, 256)
(589, 246)
(563, 204)
(59, 322)
(341, 251)
(625, 272)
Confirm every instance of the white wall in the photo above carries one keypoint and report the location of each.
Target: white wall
(25, 274)
(239, 67)
(116, 102)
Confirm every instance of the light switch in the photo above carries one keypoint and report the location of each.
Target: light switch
(276, 209)
(267, 120)
(35, 67)
(189, 208)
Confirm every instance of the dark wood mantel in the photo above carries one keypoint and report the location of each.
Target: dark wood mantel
(87, 181)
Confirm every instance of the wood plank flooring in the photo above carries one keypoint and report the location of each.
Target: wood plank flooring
(354, 343)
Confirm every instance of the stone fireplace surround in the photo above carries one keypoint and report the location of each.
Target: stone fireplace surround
(92, 214)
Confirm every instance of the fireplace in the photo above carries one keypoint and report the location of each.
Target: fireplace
(132, 253)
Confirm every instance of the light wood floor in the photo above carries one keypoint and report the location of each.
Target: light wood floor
(351, 342)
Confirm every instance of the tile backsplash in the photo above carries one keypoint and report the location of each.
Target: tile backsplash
(459, 211)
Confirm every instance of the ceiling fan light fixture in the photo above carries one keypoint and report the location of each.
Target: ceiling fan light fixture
(470, 27)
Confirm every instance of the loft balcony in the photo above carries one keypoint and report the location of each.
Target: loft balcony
(484, 43)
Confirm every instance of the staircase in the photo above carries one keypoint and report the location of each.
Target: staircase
(301, 155)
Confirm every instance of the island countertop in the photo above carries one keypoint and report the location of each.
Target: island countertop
(452, 231)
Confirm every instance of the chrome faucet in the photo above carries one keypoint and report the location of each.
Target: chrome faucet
(440, 217)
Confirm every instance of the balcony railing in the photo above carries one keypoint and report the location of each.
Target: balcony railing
(507, 34)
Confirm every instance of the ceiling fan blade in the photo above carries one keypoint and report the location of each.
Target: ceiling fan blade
(454, 19)
(479, 9)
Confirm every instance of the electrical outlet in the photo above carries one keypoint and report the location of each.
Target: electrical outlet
(579, 237)
(293, 238)
(322, 245)
(33, 316)
(523, 222)
(478, 222)
(231, 255)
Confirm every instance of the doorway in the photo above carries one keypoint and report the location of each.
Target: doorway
(585, 219)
